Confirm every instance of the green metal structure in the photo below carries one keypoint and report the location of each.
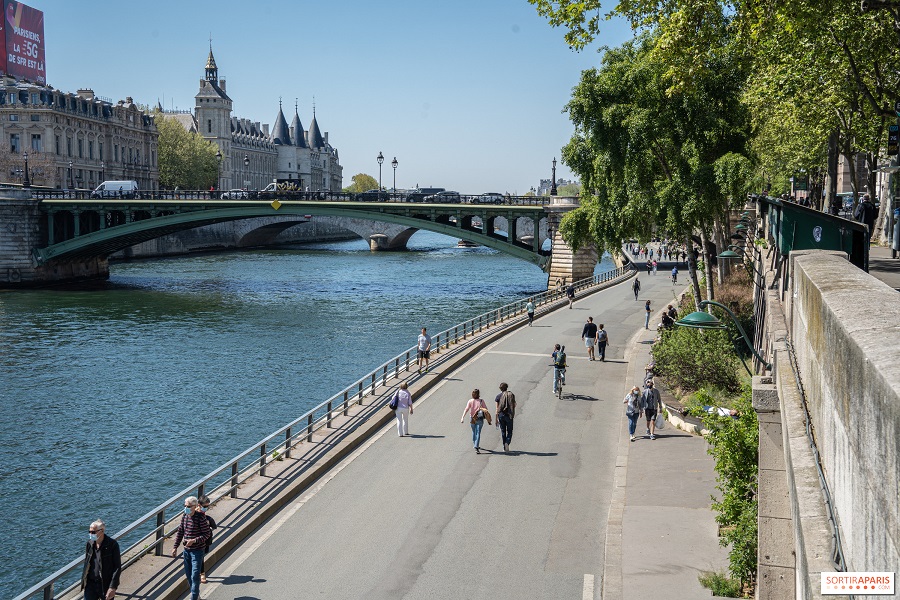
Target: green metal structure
(78, 228)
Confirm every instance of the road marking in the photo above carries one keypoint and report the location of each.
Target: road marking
(587, 591)
(304, 498)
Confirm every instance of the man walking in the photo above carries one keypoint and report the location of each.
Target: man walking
(650, 403)
(589, 336)
(602, 341)
(636, 287)
(194, 531)
(102, 564)
(506, 412)
(570, 294)
(424, 347)
(865, 213)
(529, 309)
(674, 275)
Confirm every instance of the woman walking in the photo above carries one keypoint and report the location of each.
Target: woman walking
(632, 404)
(403, 407)
(647, 316)
(478, 413)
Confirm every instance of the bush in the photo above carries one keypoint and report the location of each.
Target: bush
(693, 358)
(721, 585)
(734, 444)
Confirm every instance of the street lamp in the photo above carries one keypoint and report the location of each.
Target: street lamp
(246, 169)
(102, 171)
(27, 181)
(553, 191)
(380, 159)
(394, 164)
(704, 320)
(71, 177)
(218, 169)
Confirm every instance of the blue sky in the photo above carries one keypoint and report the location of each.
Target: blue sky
(466, 94)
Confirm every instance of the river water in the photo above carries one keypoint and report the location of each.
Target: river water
(116, 397)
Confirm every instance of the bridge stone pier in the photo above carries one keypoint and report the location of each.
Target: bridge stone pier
(567, 265)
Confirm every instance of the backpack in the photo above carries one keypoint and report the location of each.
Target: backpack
(560, 362)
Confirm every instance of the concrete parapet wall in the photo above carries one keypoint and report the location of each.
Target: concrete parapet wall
(843, 324)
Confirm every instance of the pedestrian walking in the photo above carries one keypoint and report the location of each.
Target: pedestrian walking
(102, 564)
(650, 403)
(632, 404)
(506, 412)
(424, 349)
(402, 404)
(602, 341)
(647, 315)
(570, 294)
(204, 508)
(529, 309)
(636, 288)
(478, 413)
(674, 275)
(649, 266)
(589, 336)
(654, 267)
(194, 532)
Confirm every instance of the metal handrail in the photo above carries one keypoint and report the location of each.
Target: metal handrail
(226, 479)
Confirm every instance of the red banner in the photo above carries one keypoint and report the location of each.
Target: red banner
(24, 30)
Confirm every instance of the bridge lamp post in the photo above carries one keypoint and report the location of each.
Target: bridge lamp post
(704, 320)
(27, 181)
(71, 176)
(394, 164)
(218, 169)
(380, 159)
(553, 190)
(102, 171)
(246, 167)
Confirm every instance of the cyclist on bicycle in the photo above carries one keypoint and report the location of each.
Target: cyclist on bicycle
(559, 366)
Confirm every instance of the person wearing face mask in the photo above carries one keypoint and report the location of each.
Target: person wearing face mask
(102, 564)
(194, 531)
(204, 507)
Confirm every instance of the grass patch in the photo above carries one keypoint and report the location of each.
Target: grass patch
(721, 585)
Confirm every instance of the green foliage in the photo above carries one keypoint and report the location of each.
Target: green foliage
(734, 444)
(570, 189)
(186, 160)
(362, 183)
(693, 358)
(721, 585)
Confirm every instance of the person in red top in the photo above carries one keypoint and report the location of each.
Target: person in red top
(194, 531)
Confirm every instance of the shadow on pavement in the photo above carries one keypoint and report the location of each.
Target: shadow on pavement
(579, 397)
(415, 435)
(239, 580)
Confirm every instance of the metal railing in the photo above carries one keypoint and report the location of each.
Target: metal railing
(147, 534)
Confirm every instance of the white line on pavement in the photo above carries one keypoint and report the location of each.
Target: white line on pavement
(587, 591)
(532, 354)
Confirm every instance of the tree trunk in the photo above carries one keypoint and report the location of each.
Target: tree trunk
(831, 176)
(707, 266)
(692, 270)
(721, 246)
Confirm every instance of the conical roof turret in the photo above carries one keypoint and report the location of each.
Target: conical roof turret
(299, 138)
(281, 134)
(315, 136)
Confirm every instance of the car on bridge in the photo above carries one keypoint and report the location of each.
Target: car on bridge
(235, 195)
(373, 196)
(488, 198)
(419, 194)
(445, 197)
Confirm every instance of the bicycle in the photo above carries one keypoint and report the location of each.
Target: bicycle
(559, 380)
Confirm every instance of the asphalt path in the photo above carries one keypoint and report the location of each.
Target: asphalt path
(424, 516)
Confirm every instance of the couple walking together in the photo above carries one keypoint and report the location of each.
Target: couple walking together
(647, 402)
(594, 334)
(478, 413)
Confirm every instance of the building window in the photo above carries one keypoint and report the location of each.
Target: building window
(13, 117)
(209, 126)
(57, 146)
(100, 149)
(14, 143)
(116, 152)
(36, 144)
(80, 148)
(34, 98)
(11, 97)
(35, 117)
(90, 149)
(68, 146)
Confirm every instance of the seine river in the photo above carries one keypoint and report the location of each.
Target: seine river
(115, 398)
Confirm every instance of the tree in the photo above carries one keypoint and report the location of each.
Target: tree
(570, 189)
(186, 160)
(361, 183)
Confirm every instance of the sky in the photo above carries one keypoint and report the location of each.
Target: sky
(467, 95)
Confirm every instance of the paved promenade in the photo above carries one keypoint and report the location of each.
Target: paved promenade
(573, 511)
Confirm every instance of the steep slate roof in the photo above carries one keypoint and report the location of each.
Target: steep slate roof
(299, 139)
(315, 136)
(281, 134)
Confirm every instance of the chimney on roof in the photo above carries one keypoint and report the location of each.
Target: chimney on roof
(326, 137)
(87, 94)
(222, 83)
(265, 129)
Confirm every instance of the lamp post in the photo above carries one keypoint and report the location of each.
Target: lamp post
(246, 169)
(218, 169)
(71, 176)
(394, 164)
(102, 171)
(26, 183)
(703, 320)
(380, 159)
(553, 191)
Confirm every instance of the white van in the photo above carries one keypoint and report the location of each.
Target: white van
(116, 189)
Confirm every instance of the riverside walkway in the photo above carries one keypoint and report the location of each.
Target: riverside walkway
(573, 511)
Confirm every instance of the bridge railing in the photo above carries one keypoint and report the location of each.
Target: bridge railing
(290, 195)
(147, 534)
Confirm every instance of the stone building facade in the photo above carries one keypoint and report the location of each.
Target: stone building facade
(252, 157)
(74, 141)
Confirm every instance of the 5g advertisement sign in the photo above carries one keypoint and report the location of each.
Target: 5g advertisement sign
(23, 37)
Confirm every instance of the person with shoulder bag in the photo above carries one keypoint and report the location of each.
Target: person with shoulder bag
(632, 404)
(478, 414)
(402, 405)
